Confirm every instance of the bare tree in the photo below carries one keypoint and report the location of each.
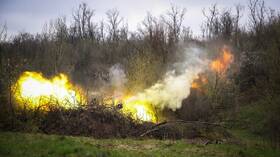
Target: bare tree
(102, 35)
(83, 26)
(211, 27)
(114, 21)
(238, 9)
(221, 25)
(154, 30)
(257, 15)
(226, 24)
(148, 24)
(174, 20)
(3, 33)
(3, 36)
(61, 29)
(186, 34)
(61, 36)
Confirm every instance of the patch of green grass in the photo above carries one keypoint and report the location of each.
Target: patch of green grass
(40, 145)
(253, 115)
(250, 119)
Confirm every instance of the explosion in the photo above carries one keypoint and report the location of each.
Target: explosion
(175, 86)
(34, 90)
(221, 64)
(170, 90)
(199, 82)
(139, 109)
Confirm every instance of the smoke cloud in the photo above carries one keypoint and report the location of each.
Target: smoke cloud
(176, 84)
(117, 79)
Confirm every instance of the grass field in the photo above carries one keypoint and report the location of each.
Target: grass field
(41, 145)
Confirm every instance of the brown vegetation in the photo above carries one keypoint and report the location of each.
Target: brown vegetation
(86, 49)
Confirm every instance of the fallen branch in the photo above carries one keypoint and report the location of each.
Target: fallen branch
(198, 122)
(156, 127)
(149, 131)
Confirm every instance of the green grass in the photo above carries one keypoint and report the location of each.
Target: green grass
(40, 145)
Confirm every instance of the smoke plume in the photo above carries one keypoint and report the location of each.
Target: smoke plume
(117, 79)
(176, 84)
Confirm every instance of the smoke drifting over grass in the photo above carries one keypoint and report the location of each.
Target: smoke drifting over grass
(176, 84)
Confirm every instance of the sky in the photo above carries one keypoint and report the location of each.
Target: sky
(31, 15)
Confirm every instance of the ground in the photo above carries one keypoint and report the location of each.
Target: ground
(39, 145)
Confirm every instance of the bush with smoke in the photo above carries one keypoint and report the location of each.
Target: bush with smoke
(173, 87)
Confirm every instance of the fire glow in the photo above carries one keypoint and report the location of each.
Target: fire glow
(139, 109)
(33, 90)
(199, 82)
(221, 64)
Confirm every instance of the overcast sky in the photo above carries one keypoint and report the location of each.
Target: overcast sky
(31, 15)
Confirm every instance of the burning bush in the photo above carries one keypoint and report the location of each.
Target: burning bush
(62, 107)
(211, 91)
(35, 91)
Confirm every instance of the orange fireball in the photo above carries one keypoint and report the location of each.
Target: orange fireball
(34, 90)
(221, 64)
(199, 82)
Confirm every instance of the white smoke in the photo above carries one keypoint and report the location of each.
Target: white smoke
(176, 84)
(117, 79)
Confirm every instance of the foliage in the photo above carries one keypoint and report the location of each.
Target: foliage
(86, 49)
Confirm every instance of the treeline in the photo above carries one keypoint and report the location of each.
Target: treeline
(86, 49)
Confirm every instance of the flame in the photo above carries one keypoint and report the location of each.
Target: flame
(34, 90)
(199, 82)
(221, 64)
(140, 109)
(195, 85)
